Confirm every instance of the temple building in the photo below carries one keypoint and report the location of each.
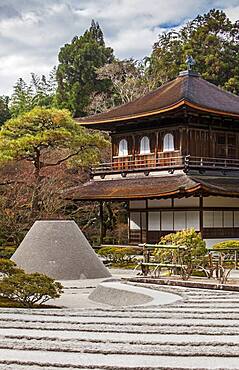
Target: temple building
(175, 161)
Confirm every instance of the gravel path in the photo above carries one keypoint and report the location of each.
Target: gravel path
(200, 331)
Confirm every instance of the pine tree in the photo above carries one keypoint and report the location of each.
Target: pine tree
(4, 109)
(76, 72)
(212, 40)
(21, 99)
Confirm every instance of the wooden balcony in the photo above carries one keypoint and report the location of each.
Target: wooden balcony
(164, 161)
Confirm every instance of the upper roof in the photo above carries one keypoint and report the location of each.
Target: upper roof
(187, 89)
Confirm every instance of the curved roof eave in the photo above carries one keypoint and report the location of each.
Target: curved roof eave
(176, 105)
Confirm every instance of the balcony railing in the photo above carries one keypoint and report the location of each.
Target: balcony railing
(164, 161)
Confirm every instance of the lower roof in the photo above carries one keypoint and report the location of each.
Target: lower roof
(176, 185)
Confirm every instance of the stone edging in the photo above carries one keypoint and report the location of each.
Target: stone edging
(183, 283)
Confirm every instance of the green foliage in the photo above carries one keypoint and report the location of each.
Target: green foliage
(6, 251)
(21, 99)
(30, 134)
(230, 244)
(76, 72)
(4, 109)
(39, 93)
(8, 267)
(189, 258)
(47, 138)
(119, 255)
(29, 289)
(218, 59)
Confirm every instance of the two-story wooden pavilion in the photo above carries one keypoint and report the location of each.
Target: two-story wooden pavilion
(175, 161)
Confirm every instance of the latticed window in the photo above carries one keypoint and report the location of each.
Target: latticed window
(168, 143)
(144, 145)
(123, 148)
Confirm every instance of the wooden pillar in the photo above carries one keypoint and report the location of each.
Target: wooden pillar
(133, 150)
(187, 140)
(101, 222)
(156, 149)
(180, 141)
(128, 220)
(147, 221)
(201, 214)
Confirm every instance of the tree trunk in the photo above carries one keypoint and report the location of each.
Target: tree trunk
(35, 206)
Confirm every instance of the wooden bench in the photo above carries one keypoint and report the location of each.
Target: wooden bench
(145, 268)
(157, 266)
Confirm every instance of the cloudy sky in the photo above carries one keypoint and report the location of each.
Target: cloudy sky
(32, 31)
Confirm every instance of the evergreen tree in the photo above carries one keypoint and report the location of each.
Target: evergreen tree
(34, 136)
(76, 72)
(213, 41)
(21, 99)
(39, 93)
(4, 109)
(44, 89)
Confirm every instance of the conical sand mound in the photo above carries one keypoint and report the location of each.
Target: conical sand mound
(60, 250)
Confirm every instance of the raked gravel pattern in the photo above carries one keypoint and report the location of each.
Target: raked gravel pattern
(200, 331)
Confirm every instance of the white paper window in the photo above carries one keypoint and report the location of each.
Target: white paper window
(154, 221)
(167, 221)
(217, 219)
(236, 219)
(134, 221)
(144, 145)
(179, 221)
(208, 218)
(123, 148)
(168, 143)
(193, 220)
(228, 218)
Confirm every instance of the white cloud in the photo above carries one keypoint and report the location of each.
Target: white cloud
(233, 13)
(32, 31)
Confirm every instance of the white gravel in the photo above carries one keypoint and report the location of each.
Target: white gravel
(200, 330)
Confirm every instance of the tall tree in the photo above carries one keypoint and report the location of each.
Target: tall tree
(46, 138)
(21, 99)
(128, 82)
(212, 39)
(40, 92)
(76, 72)
(44, 89)
(4, 109)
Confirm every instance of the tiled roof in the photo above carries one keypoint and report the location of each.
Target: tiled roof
(177, 185)
(187, 89)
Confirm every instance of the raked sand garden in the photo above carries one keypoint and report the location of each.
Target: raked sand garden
(183, 328)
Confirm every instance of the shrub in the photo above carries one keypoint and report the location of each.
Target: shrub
(26, 289)
(6, 251)
(119, 254)
(234, 244)
(189, 258)
(8, 267)
(29, 289)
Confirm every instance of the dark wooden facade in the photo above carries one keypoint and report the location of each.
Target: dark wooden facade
(196, 136)
(203, 123)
